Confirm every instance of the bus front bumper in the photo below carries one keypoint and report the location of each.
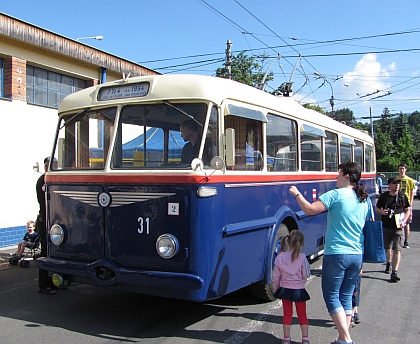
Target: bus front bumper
(106, 273)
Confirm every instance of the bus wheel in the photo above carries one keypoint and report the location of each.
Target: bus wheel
(262, 291)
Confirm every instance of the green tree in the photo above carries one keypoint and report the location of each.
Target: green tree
(314, 107)
(246, 69)
(405, 150)
(383, 145)
(342, 115)
(390, 163)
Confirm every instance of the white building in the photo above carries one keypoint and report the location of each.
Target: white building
(38, 68)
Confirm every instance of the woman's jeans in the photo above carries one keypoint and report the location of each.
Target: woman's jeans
(340, 273)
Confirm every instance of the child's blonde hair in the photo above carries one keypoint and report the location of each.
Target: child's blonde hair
(294, 240)
(30, 222)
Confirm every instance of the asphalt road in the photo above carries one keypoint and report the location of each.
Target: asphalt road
(84, 314)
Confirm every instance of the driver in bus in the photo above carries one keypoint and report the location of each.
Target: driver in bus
(189, 132)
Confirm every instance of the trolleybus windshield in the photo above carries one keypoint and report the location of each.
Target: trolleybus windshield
(147, 136)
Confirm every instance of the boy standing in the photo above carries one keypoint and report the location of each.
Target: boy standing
(407, 186)
(392, 205)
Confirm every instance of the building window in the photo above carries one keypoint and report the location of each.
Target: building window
(1, 78)
(49, 88)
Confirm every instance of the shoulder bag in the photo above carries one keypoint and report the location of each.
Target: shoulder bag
(374, 251)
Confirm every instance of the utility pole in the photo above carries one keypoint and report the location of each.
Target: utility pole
(229, 59)
(371, 123)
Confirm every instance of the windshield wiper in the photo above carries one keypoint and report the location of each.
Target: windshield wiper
(182, 111)
(74, 118)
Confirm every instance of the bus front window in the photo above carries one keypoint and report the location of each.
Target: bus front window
(150, 137)
(83, 140)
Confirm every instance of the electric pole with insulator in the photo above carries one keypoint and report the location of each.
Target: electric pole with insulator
(229, 59)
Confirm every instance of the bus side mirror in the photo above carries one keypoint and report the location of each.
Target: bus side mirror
(230, 146)
(36, 167)
(217, 163)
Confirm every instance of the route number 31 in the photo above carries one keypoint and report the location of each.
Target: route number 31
(144, 225)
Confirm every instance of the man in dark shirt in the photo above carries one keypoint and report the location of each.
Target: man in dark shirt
(45, 285)
(394, 207)
(189, 132)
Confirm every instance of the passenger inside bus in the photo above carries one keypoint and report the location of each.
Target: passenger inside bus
(189, 132)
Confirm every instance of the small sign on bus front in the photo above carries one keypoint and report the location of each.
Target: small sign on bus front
(124, 91)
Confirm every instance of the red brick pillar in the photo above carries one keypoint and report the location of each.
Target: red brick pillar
(15, 78)
(92, 82)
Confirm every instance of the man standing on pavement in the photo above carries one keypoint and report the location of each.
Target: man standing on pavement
(407, 186)
(45, 285)
(392, 205)
(379, 182)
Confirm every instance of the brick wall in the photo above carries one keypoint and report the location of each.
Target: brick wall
(92, 82)
(15, 79)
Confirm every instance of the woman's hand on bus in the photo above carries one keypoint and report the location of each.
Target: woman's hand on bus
(308, 208)
(294, 191)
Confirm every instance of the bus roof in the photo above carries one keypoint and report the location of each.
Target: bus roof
(201, 87)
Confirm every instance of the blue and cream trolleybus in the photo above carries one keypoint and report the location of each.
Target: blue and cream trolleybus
(126, 211)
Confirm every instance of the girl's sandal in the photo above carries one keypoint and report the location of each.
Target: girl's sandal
(47, 291)
(306, 341)
(285, 341)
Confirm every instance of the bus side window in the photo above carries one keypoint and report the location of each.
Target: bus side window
(358, 154)
(248, 143)
(369, 158)
(310, 149)
(345, 152)
(331, 152)
(281, 144)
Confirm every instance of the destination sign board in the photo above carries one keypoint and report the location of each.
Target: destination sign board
(123, 91)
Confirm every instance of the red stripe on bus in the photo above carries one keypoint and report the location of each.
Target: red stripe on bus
(189, 179)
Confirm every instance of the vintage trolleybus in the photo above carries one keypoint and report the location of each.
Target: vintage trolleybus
(126, 211)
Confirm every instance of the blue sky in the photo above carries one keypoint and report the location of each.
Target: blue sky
(356, 45)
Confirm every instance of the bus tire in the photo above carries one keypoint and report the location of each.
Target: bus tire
(263, 291)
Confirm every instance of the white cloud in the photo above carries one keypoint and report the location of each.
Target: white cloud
(368, 75)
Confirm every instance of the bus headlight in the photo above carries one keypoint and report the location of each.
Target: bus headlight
(57, 234)
(167, 246)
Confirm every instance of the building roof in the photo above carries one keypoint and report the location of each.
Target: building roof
(19, 30)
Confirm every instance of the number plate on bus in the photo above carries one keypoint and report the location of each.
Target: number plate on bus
(124, 91)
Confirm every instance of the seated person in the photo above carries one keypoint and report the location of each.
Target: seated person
(28, 239)
(189, 132)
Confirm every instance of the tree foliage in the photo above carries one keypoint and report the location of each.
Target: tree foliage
(397, 141)
(314, 107)
(343, 115)
(246, 69)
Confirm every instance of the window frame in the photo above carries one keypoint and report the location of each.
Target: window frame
(54, 84)
(331, 137)
(282, 164)
(1, 77)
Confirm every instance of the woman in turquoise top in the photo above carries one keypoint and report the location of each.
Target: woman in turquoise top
(347, 210)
